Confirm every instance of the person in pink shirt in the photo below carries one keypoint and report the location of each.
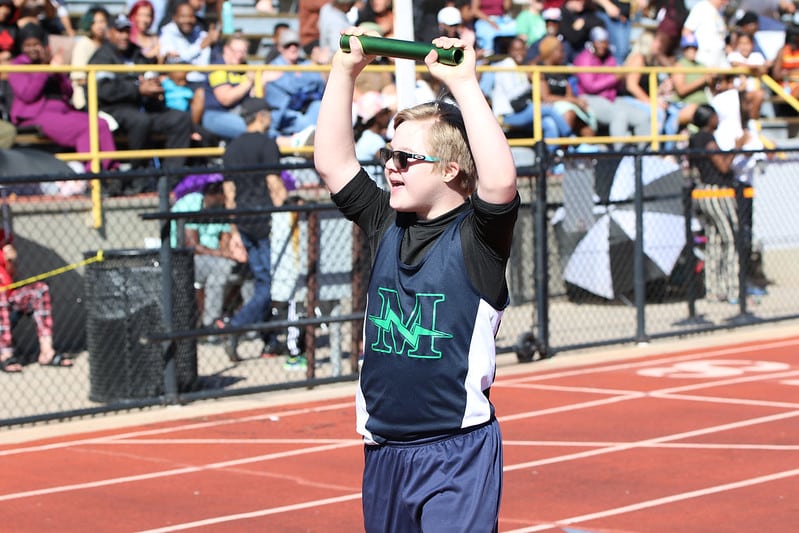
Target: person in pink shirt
(44, 99)
(601, 89)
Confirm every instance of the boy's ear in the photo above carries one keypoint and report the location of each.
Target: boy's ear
(451, 171)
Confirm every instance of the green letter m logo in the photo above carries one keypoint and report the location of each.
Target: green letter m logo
(414, 337)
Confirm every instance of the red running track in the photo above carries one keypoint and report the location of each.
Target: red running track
(701, 440)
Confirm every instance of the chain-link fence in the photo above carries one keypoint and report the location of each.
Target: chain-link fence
(609, 248)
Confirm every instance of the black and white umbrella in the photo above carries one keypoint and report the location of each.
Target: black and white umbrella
(602, 260)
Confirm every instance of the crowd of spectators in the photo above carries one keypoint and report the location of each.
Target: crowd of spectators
(204, 108)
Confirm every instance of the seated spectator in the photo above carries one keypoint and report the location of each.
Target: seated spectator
(373, 116)
(43, 99)
(179, 95)
(451, 23)
(93, 27)
(706, 23)
(273, 52)
(744, 55)
(294, 96)
(615, 16)
(8, 30)
(749, 23)
(492, 20)
(203, 17)
(551, 18)
(530, 23)
(557, 90)
(141, 20)
(637, 84)
(214, 258)
(671, 15)
(33, 299)
(691, 89)
(332, 22)
(786, 64)
(381, 13)
(226, 90)
(577, 19)
(136, 102)
(53, 16)
(600, 90)
(185, 40)
(511, 99)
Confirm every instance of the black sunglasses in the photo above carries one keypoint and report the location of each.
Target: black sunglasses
(401, 158)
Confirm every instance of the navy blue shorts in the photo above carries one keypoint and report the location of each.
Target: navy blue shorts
(453, 484)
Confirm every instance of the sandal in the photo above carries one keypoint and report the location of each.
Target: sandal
(59, 360)
(11, 366)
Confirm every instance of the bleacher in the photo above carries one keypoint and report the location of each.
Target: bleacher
(257, 27)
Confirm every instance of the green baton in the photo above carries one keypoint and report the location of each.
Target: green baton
(381, 46)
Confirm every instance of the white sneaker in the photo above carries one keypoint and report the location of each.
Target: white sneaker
(303, 137)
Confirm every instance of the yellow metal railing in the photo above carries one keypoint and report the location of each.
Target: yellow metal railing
(94, 155)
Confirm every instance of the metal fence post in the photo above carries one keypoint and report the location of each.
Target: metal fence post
(170, 371)
(540, 247)
(639, 279)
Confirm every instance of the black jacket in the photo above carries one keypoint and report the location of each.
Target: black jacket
(119, 88)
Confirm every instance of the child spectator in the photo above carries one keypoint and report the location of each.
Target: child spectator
(745, 56)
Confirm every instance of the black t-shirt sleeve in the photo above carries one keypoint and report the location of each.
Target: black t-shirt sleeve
(487, 237)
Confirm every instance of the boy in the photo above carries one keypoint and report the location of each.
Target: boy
(440, 241)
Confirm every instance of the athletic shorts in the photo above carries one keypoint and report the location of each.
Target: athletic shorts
(450, 484)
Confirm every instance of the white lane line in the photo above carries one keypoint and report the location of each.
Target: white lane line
(174, 472)
(178, 428)
(255, 514)
(656, 440)
(709, 353)
(744, 483)
(166, 442)
(657, 445)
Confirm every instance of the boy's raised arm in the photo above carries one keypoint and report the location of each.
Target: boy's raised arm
(496, 170)
(334, 145)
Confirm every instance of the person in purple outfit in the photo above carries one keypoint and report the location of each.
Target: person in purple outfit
(43, 99)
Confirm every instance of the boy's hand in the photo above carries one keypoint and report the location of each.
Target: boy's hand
(355, 60)
(450, 75)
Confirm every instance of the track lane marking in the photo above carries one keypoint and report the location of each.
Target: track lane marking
(662, 501)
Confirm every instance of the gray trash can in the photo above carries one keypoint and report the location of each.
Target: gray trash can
(123, 304)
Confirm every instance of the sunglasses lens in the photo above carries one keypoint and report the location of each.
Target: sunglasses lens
(401, 160)
(384, 155)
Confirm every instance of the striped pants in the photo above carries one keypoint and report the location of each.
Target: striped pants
(720, 219)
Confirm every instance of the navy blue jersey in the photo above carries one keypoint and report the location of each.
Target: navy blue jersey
(429, 349)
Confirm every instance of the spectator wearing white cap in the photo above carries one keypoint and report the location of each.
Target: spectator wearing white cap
(453, 21)
(551, 16)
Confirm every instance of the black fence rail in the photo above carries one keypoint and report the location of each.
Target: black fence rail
(610, 248)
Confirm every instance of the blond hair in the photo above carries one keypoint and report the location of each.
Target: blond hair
(446, 138)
